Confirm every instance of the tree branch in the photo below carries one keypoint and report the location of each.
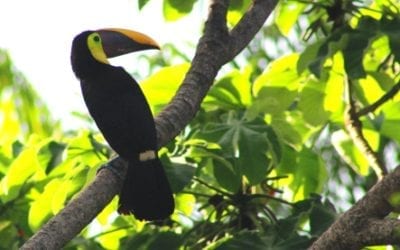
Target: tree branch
(80, 211)
(216, 47)
(386, 97)
(353, 126)
(365, 224)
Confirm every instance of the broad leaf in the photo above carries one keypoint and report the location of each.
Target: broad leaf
(176, 9)
(161, 87)
(288, 13)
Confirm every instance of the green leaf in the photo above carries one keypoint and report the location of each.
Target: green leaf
(142, 3)
(308, 56)
(179, 175)
(231, 92)
(288, 13)
(368, 90)
(311, 104)
(236, 10)
(280, 73)
(291, 128)
(322, 215)
(176, 9)
(246, 141)
(332, 104)
(41, 207)
(391, 28)
(51, 155)
(390, 126)
(272, 100)
(185, 204)
(310, 175)
(328, 48)
(253, 160)
(350, 153)
(228, 174)
(306, 171)
(353, 53)
(165, 241)
(161, 86)
(81, 148)
(243, 240)
(24, 167)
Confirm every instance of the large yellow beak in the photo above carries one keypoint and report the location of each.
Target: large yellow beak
(118, 42)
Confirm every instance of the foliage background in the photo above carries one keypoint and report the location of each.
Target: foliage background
(267, 161)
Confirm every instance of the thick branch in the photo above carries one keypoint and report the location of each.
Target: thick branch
(216, 47)
(365, 224)
(79, 212)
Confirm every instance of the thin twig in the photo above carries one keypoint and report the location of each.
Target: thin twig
(386, 97)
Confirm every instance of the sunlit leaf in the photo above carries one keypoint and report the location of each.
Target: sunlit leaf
(272, 100)
(390, 126)
(41, 207)
(311, 104)
(280, 73)
(185, 203)
(350, 153)
(232, 91)
(176, 9)
(291, 128)
(111, 240)
(22, 168)
(288, 13)
(104, 217)
(236, 10)
(161, 86)
(333, 101)
(309, 176)
(368, 90)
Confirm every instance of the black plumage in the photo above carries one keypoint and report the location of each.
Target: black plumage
(121, 112)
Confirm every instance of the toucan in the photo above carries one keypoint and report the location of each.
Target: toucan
(122, 114)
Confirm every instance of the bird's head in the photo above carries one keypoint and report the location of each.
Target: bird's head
(91, 49)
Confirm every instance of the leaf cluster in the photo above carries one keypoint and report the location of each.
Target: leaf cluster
(267, 161)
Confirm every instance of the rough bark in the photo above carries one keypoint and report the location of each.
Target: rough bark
(366, 223)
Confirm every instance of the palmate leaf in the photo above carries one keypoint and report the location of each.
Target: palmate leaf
(249, 148)
(179, 175)
(305, 170)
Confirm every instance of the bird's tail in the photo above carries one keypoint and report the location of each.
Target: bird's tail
(146, 192)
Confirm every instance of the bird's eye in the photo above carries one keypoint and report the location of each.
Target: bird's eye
(96, 38)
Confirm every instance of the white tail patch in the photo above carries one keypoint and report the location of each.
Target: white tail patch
(147, 155)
